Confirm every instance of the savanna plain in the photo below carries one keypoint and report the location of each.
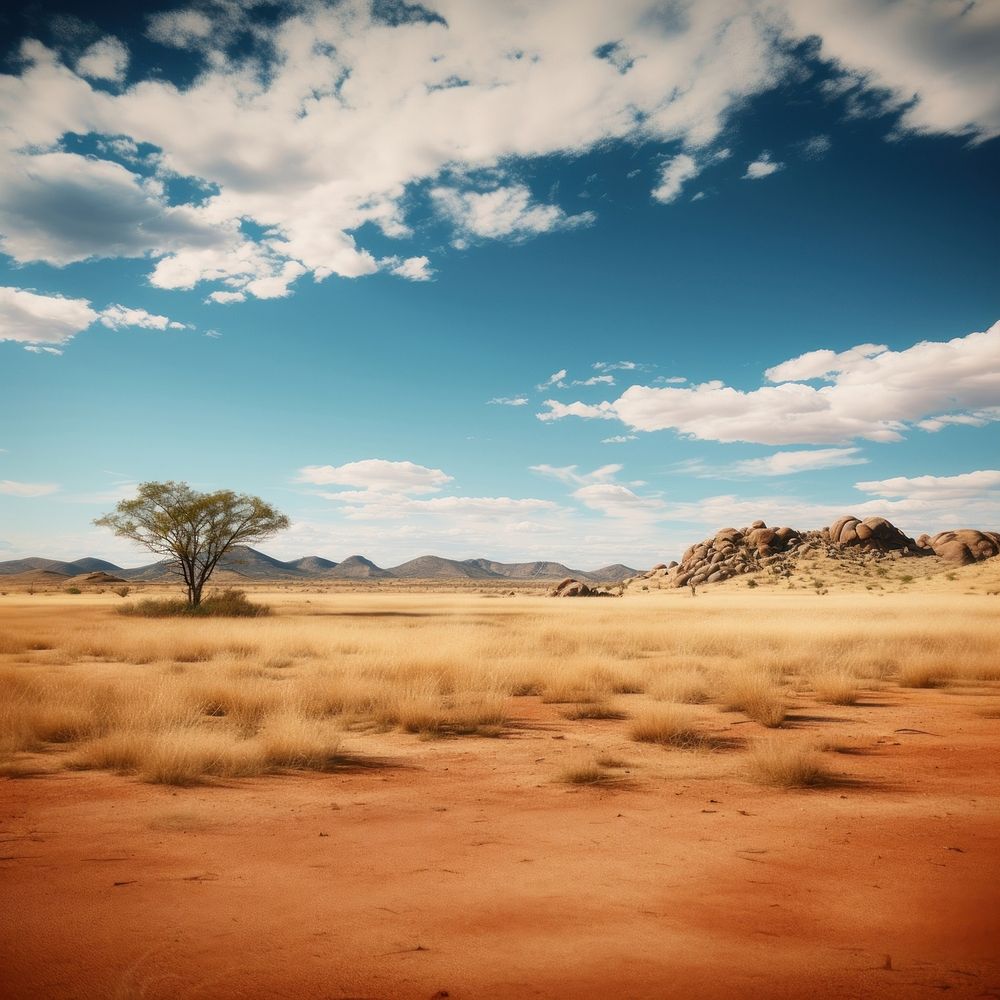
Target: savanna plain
(405, 793)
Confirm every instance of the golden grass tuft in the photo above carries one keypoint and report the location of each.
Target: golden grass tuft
(836, 688)
(593, 710)
(755, 695)
(785, 765)
(668, 725)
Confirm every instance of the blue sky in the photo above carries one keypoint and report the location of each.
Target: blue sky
(562, 281)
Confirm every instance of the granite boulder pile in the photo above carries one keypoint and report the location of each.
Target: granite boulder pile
(967, 545)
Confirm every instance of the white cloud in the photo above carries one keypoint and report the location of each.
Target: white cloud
(555, 380)
(822, 364)
(615, 366)
(785, 463)
(614, 500)
(503, 212)
(14, 489)
(226, 298)
(974, 418)
(413, 268)
(60, 208)
(569, 474)
(508, 401)
(115, 317)
(937, 60)
(594, 380)
(674, 174)
(873, 394)
(968, 485)
(619, 438)
(341, 118)
(179, 28)
(763, 166)
(816, 147)
(377, 475)
(104, 60)
(35, 319)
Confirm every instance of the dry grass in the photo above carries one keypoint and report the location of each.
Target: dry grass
(188, 699)
(836, 687)
(757, 695)
(668, 725)
(785, 765)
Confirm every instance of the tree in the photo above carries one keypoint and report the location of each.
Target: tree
(194, 530)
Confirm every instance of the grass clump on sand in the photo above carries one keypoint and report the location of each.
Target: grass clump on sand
(786, 765)
(756, 697)
(225, 604)
(669, 725)
(595, 772)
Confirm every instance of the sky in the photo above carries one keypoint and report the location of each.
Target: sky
(555, 279)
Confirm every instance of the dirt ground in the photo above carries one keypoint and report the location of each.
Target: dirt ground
(464, 868)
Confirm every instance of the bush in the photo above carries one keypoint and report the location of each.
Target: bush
(72, 590)
(123, 591)
(226, 604)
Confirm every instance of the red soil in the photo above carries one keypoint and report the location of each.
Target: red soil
(467, 871)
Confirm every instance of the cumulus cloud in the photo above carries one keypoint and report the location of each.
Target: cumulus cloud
(503, 212)
(615, 500)
(60, 207)
(377, 475)
(413, 268)
(556, 379)
(343, 118)
(936, 61)
(35, 319)
(674, 174)
(115, 317)
(14, 489)
(873, 393)
(763, 166)
(104, 60)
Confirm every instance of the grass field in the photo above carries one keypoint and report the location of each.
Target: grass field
(177, 701)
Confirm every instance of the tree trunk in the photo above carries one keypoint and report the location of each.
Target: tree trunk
(194, 594)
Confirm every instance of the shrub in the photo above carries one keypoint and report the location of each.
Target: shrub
(668, 726)
(783, 765)
(72, 590)
(227, 604)
(123, 591)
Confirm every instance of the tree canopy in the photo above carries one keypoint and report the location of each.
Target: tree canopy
(194, 530)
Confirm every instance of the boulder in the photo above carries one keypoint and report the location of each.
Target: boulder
(966, 545)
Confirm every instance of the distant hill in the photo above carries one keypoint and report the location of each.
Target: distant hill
(245, 563)
(67, 569)
(438, 568)
(357, 568)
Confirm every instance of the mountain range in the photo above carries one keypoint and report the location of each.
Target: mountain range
(243, 561)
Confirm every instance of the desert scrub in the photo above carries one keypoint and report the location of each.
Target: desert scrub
(227, 604)
(785, 765)
(670, 726)
(755, 695)
(593, 710)
(836, 688)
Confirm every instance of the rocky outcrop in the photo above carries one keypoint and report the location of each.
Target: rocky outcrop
(576, 588)
(967, 545)
(872, 533)
(734, 552)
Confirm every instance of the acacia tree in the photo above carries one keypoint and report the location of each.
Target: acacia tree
(193, 530)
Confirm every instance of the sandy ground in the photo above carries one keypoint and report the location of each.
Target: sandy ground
(461, 868)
